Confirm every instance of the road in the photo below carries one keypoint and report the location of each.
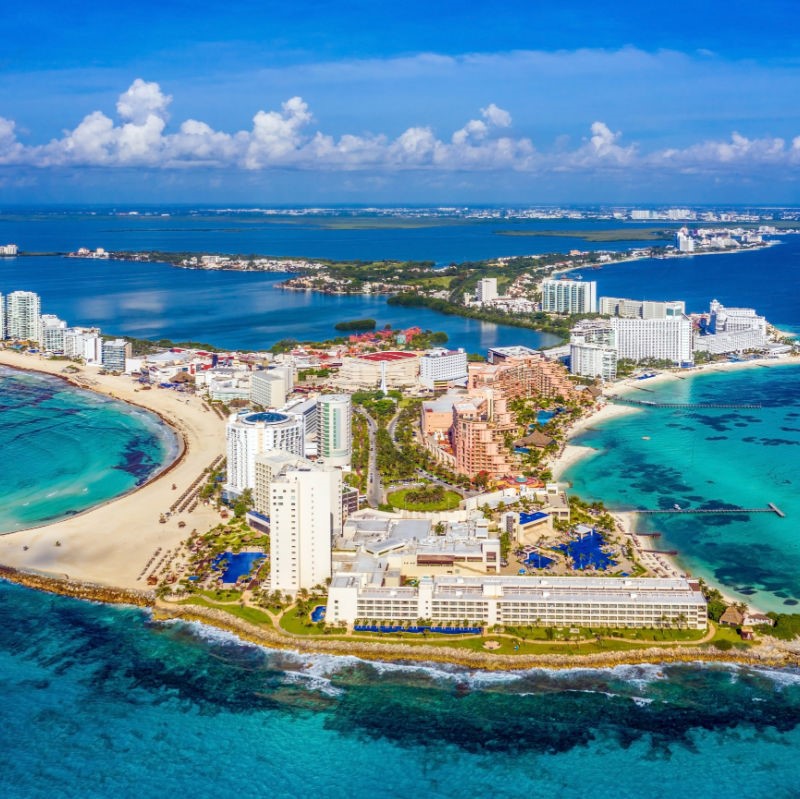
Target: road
(374, 487)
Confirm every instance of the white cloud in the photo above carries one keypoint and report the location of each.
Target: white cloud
(287, 138)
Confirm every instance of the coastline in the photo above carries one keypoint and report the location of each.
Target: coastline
(658, 563)
(767, 654)
(109, 544)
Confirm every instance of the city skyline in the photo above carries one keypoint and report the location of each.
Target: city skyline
(265, 104)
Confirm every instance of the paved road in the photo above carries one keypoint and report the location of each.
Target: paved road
(374, 487)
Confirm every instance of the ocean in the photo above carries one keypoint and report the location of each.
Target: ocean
(67, 450)
(100, 701)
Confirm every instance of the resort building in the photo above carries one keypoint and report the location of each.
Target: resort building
(500, 354)
(83, 342)
(667, 339)
(569, 296)
(559, 602)
(305, 513)
(115, 353)
(51, 334)
(439, 367)
(250, 434)
(593, 350)
(390, 369)
(641, 309)
(268, 388)
(9, 249)
(409, 547)
(726, 330)
(480, 428)
(23, 316)
(267, 467)
(334, 423)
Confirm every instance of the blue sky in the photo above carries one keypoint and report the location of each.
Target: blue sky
(362, 102)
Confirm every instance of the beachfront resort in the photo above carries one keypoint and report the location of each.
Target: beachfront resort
(404, 485)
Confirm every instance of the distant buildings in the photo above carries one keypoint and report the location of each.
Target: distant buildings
(8, 249)
(486, 290)
(640, 309)
(334, 421)
(569, 296)
(393, 369)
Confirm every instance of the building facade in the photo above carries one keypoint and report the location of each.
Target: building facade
(251, 434)
(115, 353)
(23, 316)
(305, 514)
(569, 296)
(668, 339)
(334, 425)
(558, 602)
(439, 367)
(268, 388)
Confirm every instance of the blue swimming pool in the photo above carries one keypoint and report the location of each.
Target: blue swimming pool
(318, 614)
(238, 565)
(586, 551)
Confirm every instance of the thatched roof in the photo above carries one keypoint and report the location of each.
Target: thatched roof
(536, 439)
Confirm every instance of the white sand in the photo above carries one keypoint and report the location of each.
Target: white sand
(112, 543)
(571, 453)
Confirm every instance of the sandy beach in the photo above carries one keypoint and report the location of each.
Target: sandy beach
(112, 543)
(572, 453)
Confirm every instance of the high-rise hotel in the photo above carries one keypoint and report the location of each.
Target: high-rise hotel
(569, 296)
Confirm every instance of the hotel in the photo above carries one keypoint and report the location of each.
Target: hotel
(667, 339)
(23, 316)
(569, 296)
(511, 601)
(305, 513)
(334, 425)
(250, 434)
(439, 367)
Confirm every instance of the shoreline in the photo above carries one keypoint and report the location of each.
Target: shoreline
(109, 544)
(658, 563)
(768, 654)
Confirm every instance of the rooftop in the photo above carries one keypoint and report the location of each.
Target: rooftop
(392, 355)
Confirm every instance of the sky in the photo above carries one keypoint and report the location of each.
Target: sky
(524, 102)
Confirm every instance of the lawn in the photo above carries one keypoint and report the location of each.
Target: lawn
(448, 501)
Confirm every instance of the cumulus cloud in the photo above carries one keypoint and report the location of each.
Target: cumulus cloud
(286, 138)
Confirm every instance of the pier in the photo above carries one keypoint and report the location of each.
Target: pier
(771, 508)
(687, 405)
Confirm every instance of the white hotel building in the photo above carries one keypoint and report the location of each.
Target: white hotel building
(250, 434)
(542, 601)
(305, 504)
(23, 316)
(667, 339)
(569, 296)
(593, 350)
(439, 367)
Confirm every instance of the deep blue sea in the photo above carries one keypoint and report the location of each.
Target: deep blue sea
(98, 701)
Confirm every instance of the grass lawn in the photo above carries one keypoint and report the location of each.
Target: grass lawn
(252, 615)
(295, 624)
(397, 499)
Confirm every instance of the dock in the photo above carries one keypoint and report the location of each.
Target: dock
(688, 405)
(771, 508)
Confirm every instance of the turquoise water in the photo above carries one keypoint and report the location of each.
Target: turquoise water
(99, 702)
(66, 449)
(696, 458)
